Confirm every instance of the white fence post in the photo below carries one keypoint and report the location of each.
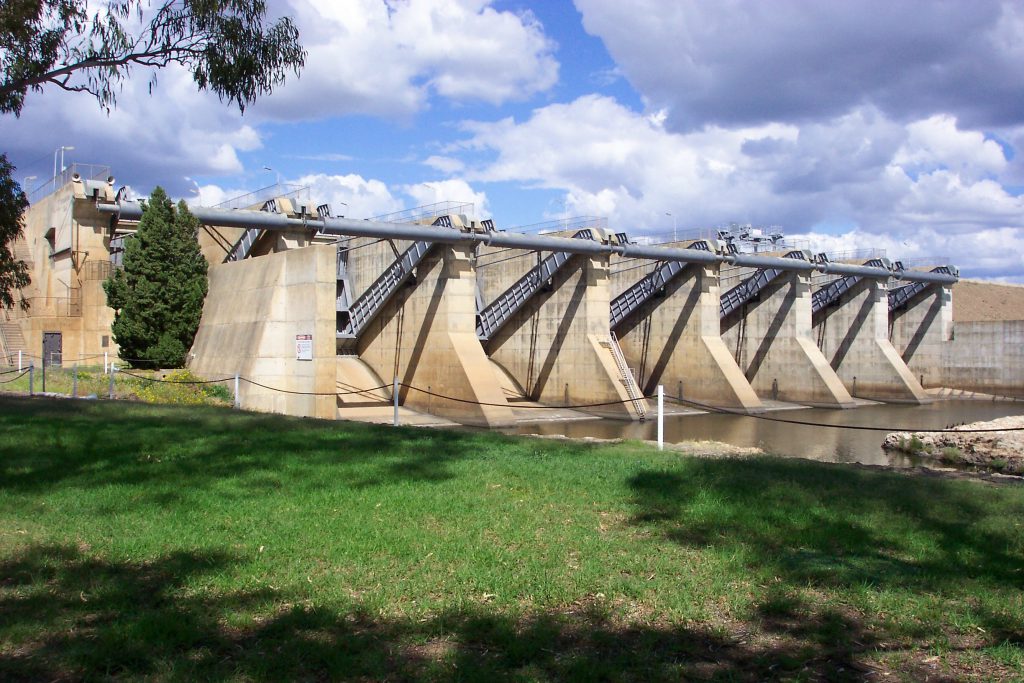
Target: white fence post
(394, 393)
(661, 417)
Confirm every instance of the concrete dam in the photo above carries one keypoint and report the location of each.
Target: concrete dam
(325, 313)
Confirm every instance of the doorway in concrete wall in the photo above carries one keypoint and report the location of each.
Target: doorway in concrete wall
(53, 348)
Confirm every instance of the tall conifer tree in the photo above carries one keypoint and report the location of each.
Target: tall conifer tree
(158, 296)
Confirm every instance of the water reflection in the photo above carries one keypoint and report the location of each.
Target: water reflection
(827, 444)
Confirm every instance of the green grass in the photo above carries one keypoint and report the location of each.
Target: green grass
(181, 543)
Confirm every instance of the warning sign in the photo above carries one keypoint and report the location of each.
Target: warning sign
(303, 347)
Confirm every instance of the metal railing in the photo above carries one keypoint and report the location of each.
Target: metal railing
(256, 198)
(427, 211)
(97, 270)
(55, 306)
(563, 224)
(85, 171)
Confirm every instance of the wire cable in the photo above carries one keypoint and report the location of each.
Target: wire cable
(808, 423)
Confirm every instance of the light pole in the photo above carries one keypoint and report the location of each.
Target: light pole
(24, 185)
(675, 237)
(59, 150)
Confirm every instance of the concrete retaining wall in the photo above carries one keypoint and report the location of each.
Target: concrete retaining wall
(987, 357)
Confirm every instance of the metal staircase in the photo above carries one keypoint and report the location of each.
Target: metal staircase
(493, 317)
(752, 286)
(901, 296)
(353, 320)
(629, 301)
(245, 243)
(834, 290)
(636, 396)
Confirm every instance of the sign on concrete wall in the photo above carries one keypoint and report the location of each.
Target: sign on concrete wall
(303, 347)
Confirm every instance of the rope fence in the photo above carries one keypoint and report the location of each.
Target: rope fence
(398, 385)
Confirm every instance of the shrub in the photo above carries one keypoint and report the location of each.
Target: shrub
(951, 455)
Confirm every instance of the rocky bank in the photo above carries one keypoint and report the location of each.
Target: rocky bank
(998, 451)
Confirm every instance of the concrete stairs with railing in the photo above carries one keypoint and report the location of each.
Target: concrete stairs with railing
(12, 341)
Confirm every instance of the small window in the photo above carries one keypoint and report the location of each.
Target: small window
(104, 341)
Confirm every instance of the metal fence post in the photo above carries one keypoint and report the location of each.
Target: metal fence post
(106, 363)
(19, 361)
(44, 375)
(110, 391)
(74, 381)
(238, 399)
(31, 379)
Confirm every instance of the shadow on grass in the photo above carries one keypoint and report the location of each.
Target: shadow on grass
(71, 616)
(836, 527)
(84, 443)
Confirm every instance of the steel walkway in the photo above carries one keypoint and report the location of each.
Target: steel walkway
(752, 286)
(834, 290)
(901, 296)
(494, 316)
(625, 304)
(353, 320)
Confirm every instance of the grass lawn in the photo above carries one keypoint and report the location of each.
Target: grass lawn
(181, 543)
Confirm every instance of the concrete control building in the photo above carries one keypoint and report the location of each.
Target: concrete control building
(324, 313)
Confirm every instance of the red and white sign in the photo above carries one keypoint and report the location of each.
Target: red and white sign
(303, 347)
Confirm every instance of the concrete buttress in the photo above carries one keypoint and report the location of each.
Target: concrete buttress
(770, 337)
(559, 349)
(254, 311)
(673, 339)
(854, 336)
(920, 330)
(426, 336)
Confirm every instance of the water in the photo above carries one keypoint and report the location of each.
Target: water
(816, 443)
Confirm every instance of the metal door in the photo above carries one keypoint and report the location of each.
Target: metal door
(53, 346)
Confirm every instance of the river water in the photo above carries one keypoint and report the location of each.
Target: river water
(828, 444)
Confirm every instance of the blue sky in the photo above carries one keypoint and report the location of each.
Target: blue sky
(868, 124)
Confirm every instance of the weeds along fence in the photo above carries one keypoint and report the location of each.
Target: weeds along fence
(184, 388)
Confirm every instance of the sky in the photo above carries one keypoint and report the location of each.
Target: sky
(854, 125)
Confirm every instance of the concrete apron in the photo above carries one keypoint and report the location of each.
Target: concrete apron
(772, 342)
(854, 337)
(558, 347)
(674, 340)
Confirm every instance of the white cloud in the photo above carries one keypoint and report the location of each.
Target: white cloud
(453, 190)
(387, 58)
(351, 195)
(444, 164)
(365, 56)
(937, 141)
(748, 62)
(924, 183)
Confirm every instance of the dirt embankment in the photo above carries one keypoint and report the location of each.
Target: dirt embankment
(976, 300)
(997, 451)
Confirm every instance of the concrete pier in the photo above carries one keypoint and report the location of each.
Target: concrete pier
(558, 346)
(920, 329)
(426, 337)
(853, 334)
(254, 312)
(673, 338)
(771, 339)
